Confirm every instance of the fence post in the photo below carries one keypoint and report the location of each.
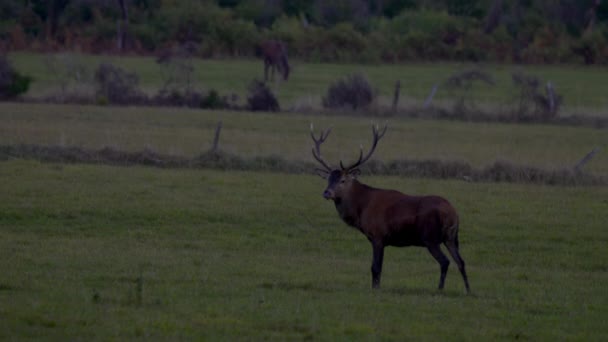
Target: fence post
(396, 95)
(216, 139)
(429, 99)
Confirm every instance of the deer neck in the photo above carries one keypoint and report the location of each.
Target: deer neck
(351, 205)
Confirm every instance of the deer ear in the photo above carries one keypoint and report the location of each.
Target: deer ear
(354, 172)
(322, 173)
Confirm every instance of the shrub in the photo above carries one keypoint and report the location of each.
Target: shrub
(461, 86)
(353, 91)
(117, 86)
(193, 99)
(72, 75)
(12, 83)
(261, 98)
(532, 103)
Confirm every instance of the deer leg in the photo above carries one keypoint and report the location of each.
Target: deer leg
(377, 264)
(453, 248)
(443, 261)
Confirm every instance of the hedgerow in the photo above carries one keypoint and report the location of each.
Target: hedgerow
(498, 171)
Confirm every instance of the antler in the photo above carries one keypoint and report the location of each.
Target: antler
(316, 151)
(377, 136)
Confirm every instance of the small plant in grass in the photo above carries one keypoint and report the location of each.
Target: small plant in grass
(461, 86)
(177, 68)
(71, 75)
(352, 92)
(12, 83)
(261, 98)
(117, 86)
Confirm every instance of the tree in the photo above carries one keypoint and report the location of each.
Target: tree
(123, 27)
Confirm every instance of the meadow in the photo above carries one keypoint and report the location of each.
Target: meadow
(98, 252)
(582, 86)
(101, 252)
(188, 133)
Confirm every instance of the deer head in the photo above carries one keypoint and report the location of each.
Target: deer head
(340, 180)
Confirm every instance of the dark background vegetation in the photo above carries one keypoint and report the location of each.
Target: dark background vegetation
(527, 31)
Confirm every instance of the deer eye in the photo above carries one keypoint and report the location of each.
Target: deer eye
(342, 180)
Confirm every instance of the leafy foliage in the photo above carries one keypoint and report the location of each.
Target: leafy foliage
(12, 83)
(346, 30)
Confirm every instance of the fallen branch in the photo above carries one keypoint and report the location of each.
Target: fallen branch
(586, 159)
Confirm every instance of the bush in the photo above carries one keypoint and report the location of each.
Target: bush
(193, 99)
(12, 83)
(353, 91)
(117, 86)
(261, 98)
(532, 103)
(461, 86)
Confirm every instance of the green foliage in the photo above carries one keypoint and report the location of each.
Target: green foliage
(12, 83)
(261, 12)
(333, 31)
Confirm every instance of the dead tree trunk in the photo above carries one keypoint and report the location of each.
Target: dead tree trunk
(493, 18)
(123, 27)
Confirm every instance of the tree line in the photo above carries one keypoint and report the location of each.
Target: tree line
(521, 31)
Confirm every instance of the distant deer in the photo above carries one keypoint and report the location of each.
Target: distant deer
(274, 54)
(388, 217)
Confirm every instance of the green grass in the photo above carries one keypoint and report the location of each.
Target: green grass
(115, 253)
(582, 87)
(258, 256)
(190, 132)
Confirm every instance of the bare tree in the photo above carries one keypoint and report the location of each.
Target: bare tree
(123, 27)
(494, 15)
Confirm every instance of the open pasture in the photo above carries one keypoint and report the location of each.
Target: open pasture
(100, 252)
(97, 252)
(190, 132)
(582, 87)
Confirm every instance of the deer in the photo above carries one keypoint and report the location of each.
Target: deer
(389, 217)
(274, 54)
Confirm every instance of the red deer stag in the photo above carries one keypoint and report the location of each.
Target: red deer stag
(389, 217)
(274, 54)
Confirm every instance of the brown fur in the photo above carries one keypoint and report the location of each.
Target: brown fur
(391, 218)
(274, 54)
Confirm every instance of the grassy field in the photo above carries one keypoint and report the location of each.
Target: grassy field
(582, 87)
(117, 253)
(95, 252)
(190, 132)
